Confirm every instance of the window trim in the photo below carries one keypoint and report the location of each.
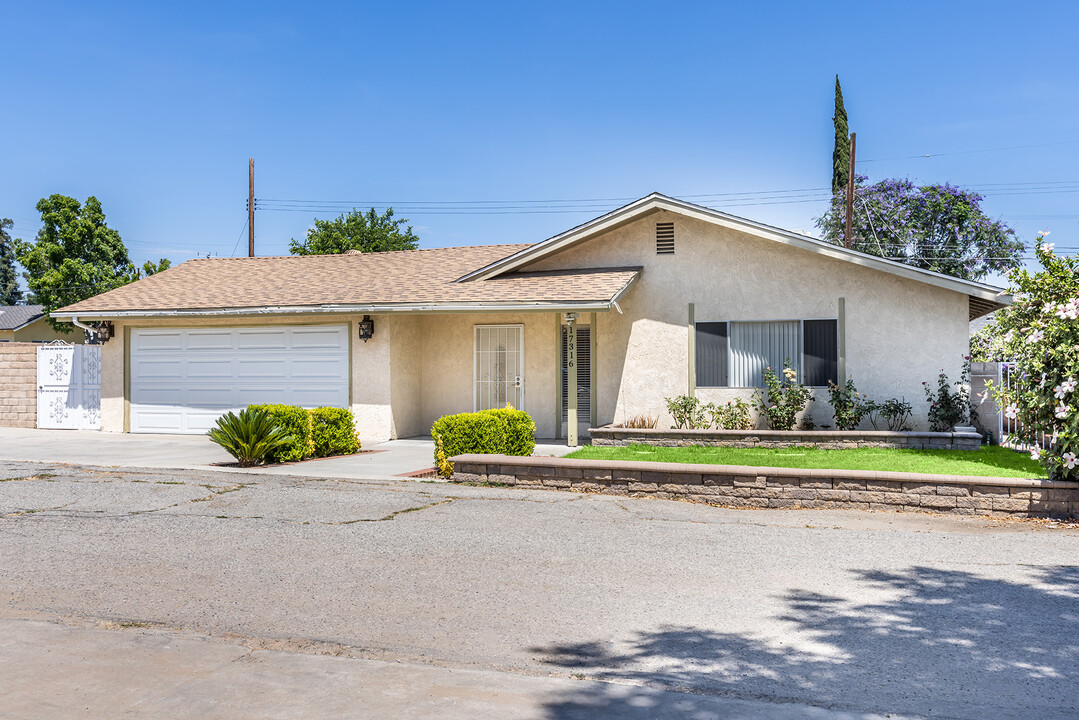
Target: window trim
(801, 348)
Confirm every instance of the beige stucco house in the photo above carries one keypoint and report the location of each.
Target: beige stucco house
(28, 323)
(665, 298)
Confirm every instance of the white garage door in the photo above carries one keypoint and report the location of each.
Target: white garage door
(183, 379)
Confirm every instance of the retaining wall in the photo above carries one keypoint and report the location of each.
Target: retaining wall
(827, 439)
(761, 487)
(18, 384)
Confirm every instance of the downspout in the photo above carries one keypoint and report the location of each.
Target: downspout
(89, 330)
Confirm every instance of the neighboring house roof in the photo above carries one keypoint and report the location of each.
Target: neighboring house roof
(983, 298)
(403, 280)
(16, 317)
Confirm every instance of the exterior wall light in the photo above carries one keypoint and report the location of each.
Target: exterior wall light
(367, 328)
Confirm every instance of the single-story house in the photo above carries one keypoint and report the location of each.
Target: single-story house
(28, 323)
(665, 298)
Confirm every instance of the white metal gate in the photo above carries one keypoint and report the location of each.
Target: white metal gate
(69, 386)
(499, 366)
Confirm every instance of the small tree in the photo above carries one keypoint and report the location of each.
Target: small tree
(935, 227)
(355, 230)
(75, 256)
(1041, 334)
(10, 294)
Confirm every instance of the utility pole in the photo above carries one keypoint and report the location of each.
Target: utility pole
(251, 208)
(850, 194)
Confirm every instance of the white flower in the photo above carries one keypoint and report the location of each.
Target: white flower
(1068, 385)
(1061, 411)
(1069, 460)
(1050, 307)
(1012, 411)
(1036, 454)
(1048, 247)
(1044, 233)
(1035, 336)
(1059, 392)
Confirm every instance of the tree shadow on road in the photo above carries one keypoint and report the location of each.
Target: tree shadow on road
(934, 642)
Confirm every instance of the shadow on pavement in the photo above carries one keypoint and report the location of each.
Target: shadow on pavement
(936, 643)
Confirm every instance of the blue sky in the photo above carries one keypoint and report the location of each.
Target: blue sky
(155, 109)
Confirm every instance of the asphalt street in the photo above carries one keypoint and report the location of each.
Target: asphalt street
(600, 606)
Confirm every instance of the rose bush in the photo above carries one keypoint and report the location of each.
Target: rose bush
(1041, 334)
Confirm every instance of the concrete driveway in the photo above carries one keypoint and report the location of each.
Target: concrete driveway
(197, 452)
(192, 594)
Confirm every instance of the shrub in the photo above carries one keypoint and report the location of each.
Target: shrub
(506, 431)
(687, 412)
(296, 421)
(639, 422)
(252, 437)
(947, 408)
(333, 432)
(895, 412)
(732, 416)
(848, 407)
(783, 401)
(442, 463)
(1041, 334)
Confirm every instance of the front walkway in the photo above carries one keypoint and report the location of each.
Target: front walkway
(197, 452)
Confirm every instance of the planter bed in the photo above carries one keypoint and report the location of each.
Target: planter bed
(761, 487)
(827, 439)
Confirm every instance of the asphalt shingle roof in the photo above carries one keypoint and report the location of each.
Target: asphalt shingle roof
(404, 277)
(15, 316)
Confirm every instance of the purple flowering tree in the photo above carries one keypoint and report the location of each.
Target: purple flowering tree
(936, 227)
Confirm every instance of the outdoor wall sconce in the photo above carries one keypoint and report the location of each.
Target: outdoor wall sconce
(367, 328)
(104, 332)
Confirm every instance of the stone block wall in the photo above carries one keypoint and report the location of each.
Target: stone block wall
(18, 384)
(759, 487)
(826, 439)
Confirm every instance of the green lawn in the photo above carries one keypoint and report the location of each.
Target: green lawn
(988, 462)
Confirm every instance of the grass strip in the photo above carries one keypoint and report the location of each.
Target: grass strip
(989, 461)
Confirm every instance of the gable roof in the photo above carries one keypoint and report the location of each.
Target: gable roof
(984, 298)
(16, 317)
(371, 282)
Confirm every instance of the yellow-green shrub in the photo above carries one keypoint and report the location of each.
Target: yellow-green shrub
(333, 431)
(296, 421)
(506, 431)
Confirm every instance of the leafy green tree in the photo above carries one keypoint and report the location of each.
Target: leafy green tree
(355, 230)
(935, 227)
(75, 256)
(841, 153)
(10, 294)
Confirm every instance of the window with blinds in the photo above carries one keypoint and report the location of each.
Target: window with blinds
(583, 386)
(735, 354)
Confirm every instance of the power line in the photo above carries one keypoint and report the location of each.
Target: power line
(971, 152)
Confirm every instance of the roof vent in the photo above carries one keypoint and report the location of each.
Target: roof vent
(665, 238)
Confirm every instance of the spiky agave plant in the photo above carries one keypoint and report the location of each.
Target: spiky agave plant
(250, 437)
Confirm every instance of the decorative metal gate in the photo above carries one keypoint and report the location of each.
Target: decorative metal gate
(69, 386)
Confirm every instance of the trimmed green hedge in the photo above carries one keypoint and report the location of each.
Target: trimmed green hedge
(296, 421)
(333, 431)
(506, 431)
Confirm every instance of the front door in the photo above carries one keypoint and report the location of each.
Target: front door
(499, 366)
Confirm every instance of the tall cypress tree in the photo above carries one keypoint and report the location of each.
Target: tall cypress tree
(10, 294)
(841, 153)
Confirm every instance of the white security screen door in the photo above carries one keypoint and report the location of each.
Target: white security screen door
(69, 386)
(499, 366)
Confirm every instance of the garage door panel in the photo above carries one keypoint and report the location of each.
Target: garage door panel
(182, 380)
(211, 368)
(209, 340)
(161, 369)
(262, 339)
(319, 337)
(157, 340)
